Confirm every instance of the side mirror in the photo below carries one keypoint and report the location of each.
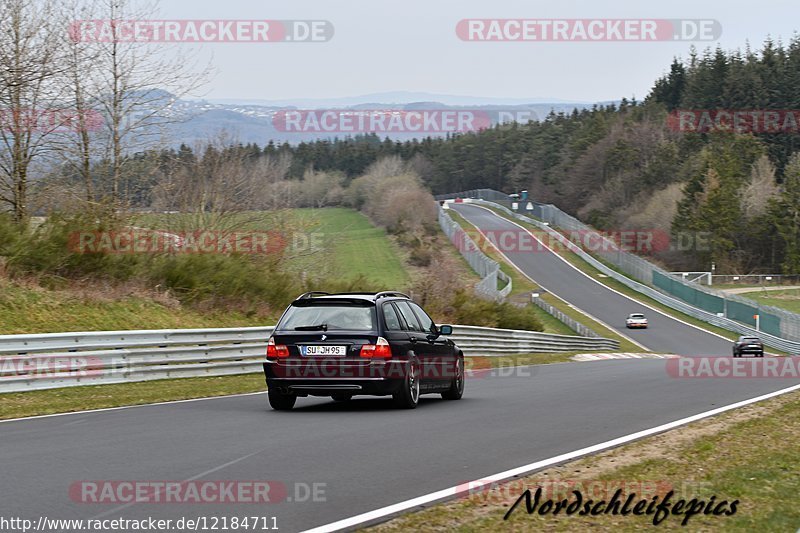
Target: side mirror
(445, 330)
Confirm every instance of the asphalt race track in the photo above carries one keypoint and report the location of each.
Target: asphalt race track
(364, 455)
(664, 334)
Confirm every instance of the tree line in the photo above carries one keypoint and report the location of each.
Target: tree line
(81, 106)
(625, 165)
(619, 165)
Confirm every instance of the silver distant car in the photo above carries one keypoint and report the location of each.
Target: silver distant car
(636, 320)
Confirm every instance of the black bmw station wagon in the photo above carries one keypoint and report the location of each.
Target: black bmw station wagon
(341, 345)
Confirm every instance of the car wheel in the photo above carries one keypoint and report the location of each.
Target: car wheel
(408, 395)
(341, 397)
(281, 402)
(761, 354)
(456, 390)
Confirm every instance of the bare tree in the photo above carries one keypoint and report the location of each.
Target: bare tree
(78, 149)
(223, 187)
(320, 189)
(29, 64)
(756, 195)
(274, 190)
(134, 84)
(207, 189)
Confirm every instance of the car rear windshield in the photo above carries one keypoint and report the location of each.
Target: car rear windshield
(637, 316)
(329, 317)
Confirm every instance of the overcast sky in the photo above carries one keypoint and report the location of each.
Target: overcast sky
(411, 45)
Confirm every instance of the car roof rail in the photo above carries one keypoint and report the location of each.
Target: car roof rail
(389, 294)
(312, 294)
(370, 293)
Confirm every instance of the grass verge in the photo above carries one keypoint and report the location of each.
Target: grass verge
(788, 299)
(69, 399)
(31, 309)
(326, 242)
(505, 361)
(354, 246)
(740, 455)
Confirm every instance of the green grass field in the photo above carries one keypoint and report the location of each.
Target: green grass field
(788, 299)
(37, 310)
(352, 247)
(327, 242)
(322, 244)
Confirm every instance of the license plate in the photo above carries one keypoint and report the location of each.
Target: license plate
(323, 350)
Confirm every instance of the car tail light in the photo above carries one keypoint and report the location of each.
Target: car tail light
(276, 351)
(380, 349)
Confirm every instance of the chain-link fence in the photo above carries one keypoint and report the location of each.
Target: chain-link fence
(484, 266)
(781, 328)
(756, 279)
(772, 320)
(603, 247)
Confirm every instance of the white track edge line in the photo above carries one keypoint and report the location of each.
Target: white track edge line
(167, 402)
(519, 269)
(121, 407)
(659, 311)
(451, 492)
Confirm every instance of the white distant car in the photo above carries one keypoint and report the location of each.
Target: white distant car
(636, 320)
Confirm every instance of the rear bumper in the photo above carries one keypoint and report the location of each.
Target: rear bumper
(380, 378)
(750, 350)
(641, 326)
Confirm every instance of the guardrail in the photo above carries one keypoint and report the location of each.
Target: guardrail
(769, 320)
(52, 360)
(487, 286)
(570, 322)
(674, 303)
(474, 340)
(486, 267)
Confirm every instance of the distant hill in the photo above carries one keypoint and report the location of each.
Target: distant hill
(252, 121)
(396, 97)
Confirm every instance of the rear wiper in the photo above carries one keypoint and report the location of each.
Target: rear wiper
(318, 327)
